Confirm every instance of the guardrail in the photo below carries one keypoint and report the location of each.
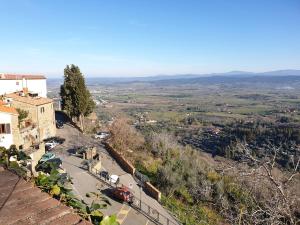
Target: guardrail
(151, 213)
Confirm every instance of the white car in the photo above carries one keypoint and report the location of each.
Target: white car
(101, 135)
(13, 159)
(51, 144)
(114, 179)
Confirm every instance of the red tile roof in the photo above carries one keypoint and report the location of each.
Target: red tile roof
(6, 76)
(29, 100)
(7, 109)
(22, 203)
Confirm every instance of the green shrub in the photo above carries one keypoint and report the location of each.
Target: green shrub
(213, 176)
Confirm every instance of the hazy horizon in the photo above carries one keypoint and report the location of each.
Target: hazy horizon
(296, 72)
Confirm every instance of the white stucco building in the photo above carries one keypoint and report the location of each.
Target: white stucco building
(10, 83)
(8, 124)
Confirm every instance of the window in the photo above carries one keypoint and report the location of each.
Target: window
(5, 128)
(42, 109)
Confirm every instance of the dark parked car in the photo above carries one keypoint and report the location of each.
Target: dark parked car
(59, 140)
(59, 124)
(104, 174)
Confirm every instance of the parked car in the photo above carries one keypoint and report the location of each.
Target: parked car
(13, 158)
(123, 194)
(47, 166)
(80, 150)
(85, 164)
(113, 179)
(104, 174)
(50, 145)
(101, 135)
(56, 139)
(59, 124)
(47, 156)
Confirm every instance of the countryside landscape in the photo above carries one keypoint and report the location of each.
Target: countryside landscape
(160, 112)
(225, 127)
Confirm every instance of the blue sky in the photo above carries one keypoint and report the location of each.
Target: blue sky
(148, 37)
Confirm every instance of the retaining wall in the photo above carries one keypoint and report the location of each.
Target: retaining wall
(127, 166)
(152, 191)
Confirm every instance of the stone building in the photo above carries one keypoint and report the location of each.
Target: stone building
(41, 116)
(25, 96)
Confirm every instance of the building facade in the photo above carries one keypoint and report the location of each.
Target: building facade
(41, 116)
(10, 83)
(9, 130)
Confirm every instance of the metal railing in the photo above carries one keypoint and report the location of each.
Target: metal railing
(149, 212)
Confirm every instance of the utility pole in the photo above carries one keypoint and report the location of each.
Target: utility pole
(140, 197)
(140, 186)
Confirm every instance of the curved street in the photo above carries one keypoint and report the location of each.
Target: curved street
(83, 182)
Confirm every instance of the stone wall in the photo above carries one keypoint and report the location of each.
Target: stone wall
(32, 110)
(46, 121)
(90, 153)
(126, 165)
(29, 136)
(152, 191)
(17, 139)
(36, 155)
(42, 116)
(129, 168)
(96, 167)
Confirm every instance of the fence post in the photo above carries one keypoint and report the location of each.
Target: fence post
(167, 221)
(157, 215)
(148, 210)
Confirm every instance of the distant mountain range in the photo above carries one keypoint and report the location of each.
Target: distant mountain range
(187, 77)
(231, 73)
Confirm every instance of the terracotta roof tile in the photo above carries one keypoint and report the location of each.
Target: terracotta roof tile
(7, 76)
(29, 100)
(65, 220)
(27, 205)
(7, 109)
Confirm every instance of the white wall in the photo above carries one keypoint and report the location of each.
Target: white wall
(9, 86)
(37, 86)
(6, 140)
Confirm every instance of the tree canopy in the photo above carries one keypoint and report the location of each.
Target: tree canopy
(76, 98)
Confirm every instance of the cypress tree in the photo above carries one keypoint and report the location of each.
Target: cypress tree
(76, 98)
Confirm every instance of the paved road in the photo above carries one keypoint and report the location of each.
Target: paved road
(84, 182)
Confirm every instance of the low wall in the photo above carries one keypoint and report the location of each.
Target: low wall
(90, 153)
(35, 156)
(152, 191)
(127, 166)
(96, 167)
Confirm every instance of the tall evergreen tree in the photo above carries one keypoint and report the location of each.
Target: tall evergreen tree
(76, 98)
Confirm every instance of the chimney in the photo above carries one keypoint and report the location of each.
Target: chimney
(25, 90)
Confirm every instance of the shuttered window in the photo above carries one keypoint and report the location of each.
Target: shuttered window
(5, 128)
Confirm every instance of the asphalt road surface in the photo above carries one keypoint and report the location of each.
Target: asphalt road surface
(83, 182)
